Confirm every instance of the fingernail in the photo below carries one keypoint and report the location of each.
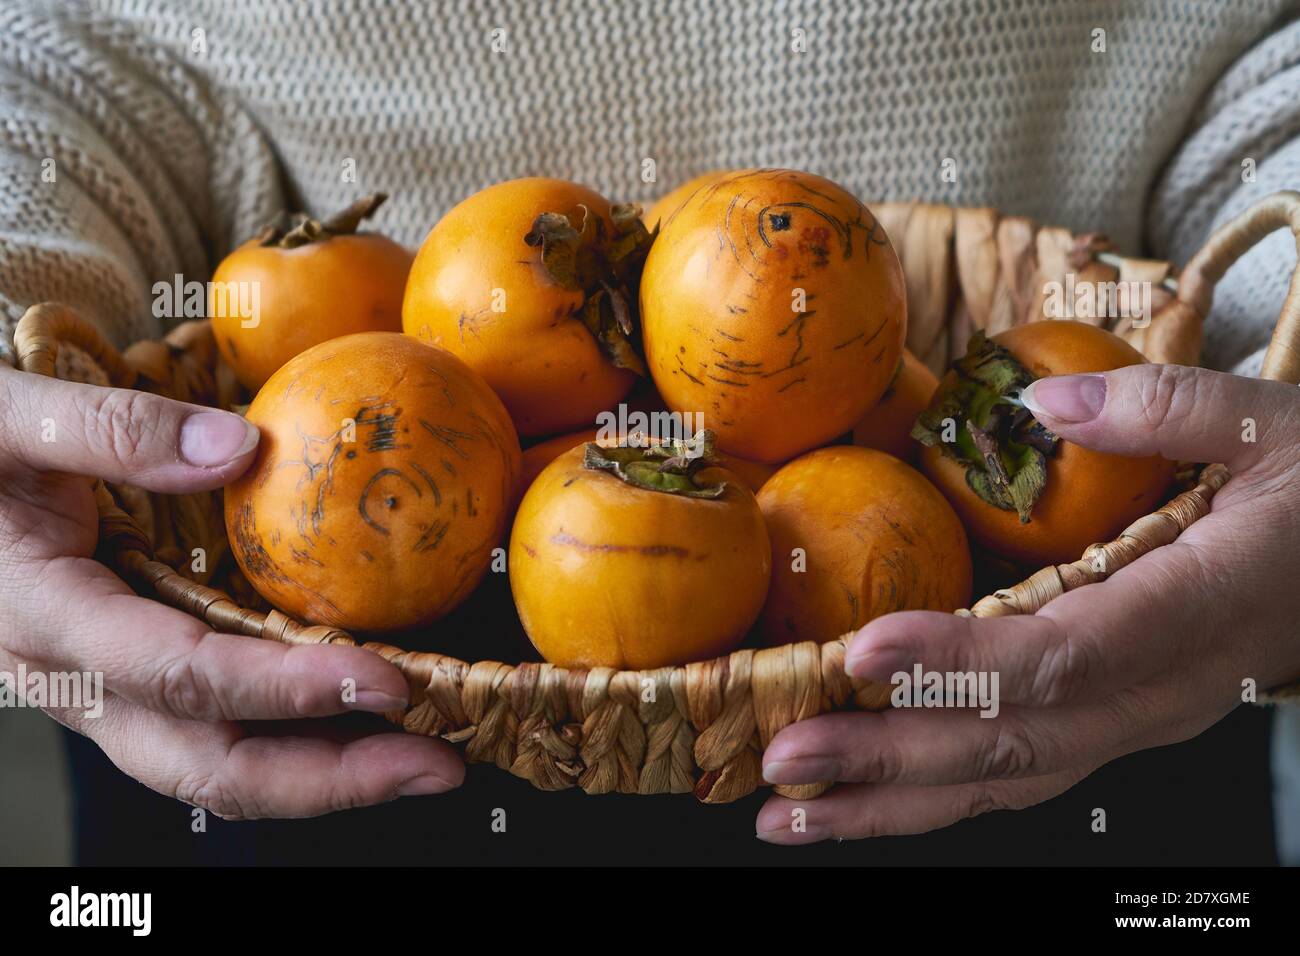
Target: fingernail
(423, 786)
(877, 663)
(377, 702)
(813, 834)
(215, 438)
(802, 770)
(1067, 398)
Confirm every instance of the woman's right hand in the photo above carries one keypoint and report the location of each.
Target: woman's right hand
(174, 692)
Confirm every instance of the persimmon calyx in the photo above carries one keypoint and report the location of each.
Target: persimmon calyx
(580, 255)
(301, 230)
(1003, 448)
(672, 467)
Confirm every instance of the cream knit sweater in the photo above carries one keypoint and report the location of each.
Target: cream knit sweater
(142, 138)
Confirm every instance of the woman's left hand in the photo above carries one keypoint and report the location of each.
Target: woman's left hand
(1154, 655)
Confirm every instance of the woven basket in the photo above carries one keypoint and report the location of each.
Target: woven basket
(700, 727)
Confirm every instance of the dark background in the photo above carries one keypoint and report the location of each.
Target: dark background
(1204, 802)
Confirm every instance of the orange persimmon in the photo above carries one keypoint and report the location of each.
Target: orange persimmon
(888, 425)
(618, 559)
(382, 482)
(537, 457)
(772, 303)
(855, 534)
(528, 281)
(313, 282)
(1052, 498)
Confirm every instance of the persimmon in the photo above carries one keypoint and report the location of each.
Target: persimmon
(772, 302)
(753, 473)
(855, 534)
(1023, 493)
(659, 211)
(382, 482)
(537, 457)
(888, 425)
(314, 281)
(529, 282)
(637, 558)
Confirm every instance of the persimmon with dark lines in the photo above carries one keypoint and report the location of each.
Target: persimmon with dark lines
(638, 558)
(383, 480)
(772, 303)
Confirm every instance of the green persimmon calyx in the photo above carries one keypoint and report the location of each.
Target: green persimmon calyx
(1002, 446)
(672, 467)
(301, 230)
(580, 254)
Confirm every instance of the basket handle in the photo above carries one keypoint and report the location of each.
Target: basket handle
(1230, 242)
(44, 327)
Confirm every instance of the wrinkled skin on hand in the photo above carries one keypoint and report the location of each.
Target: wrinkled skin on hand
(175, 693)
(1154, 655)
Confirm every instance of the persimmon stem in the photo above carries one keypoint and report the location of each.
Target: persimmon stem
(302, 230)
(672, 467)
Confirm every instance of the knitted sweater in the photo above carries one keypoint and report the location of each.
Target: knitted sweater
(143, 138)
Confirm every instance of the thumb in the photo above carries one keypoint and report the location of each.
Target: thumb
(121, 435)
(1177, 412)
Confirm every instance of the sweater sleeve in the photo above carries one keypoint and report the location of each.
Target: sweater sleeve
(1243, 144)
(120, 168)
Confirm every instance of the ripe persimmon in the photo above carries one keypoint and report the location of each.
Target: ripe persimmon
(637, 558)
(528, 282)
(855, 534)
(382, 482)
(537, 457)
(772, 302)
(314, 281)
(1022, 493)
(888, 425)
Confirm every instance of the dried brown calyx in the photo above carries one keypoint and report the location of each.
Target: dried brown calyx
(672, 467)
(301, 230)
(581, 254)
(988, 430)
